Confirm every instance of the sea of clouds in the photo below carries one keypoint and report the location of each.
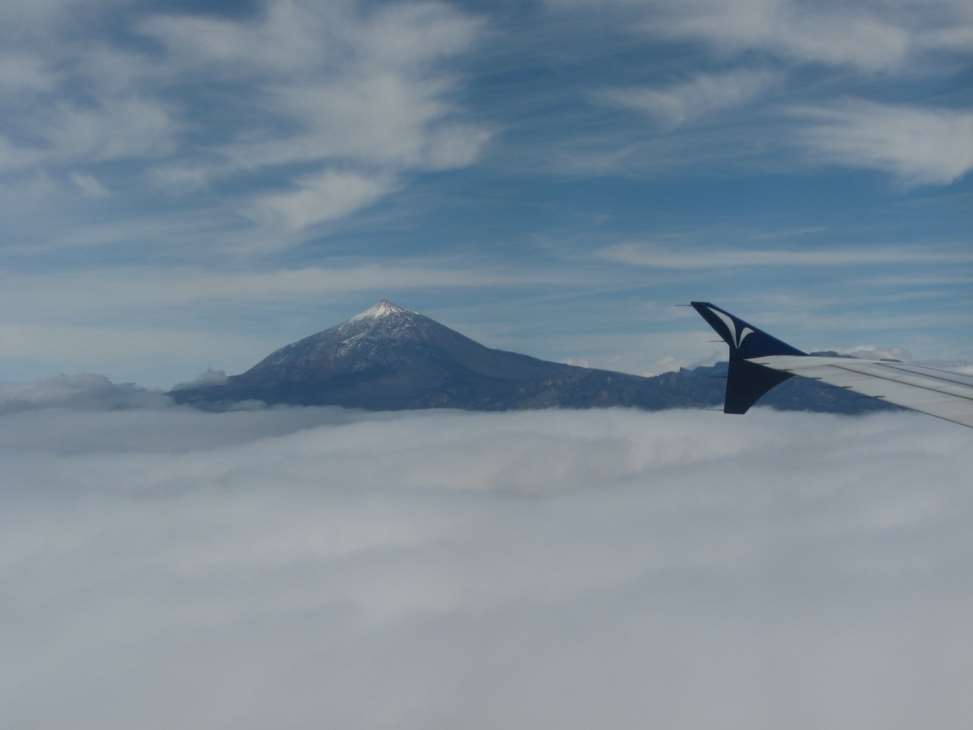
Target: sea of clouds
(322, 568)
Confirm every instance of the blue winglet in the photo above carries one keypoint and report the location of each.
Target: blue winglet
(746, 382)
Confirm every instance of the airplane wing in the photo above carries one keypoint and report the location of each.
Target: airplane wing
(759, 361)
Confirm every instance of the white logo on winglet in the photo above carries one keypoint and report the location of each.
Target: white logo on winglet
(731, 326)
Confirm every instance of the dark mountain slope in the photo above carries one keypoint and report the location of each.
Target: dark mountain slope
(388, 358)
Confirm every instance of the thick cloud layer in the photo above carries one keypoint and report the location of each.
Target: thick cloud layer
(86, 391)
(317, 568)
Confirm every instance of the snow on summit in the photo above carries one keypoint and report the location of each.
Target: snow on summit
(383, 308)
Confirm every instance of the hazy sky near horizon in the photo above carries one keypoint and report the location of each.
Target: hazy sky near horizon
(307, 568)
(187, 185)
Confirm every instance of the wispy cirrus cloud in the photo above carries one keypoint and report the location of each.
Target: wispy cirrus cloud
(317, 199)
(916, 144)
(147, 287)
(22, 72)
(819, 33)
(873, 36)
(359, 93)
(106, 130)
(89, 185)
(669, 257)
(701, 95)
(162, 353)
(324, 107)
(917, 280)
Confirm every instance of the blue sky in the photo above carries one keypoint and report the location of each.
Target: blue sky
(188, 185)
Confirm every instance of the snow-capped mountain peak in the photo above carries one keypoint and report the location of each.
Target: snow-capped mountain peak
(384, 308)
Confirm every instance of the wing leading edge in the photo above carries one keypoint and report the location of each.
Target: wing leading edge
(758, 362)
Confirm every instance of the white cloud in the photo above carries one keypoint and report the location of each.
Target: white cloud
(553, 569)
(13, 156)
(892, 42)
(872, 352)
(919, 145)
(361, 92)
(917, 280)
(278, 40)
(320, 198)
(113, 127)
(207, 377)
(21, 72)
(670, 257)
(958, 366)
(64, 344)
(89, 185)
(872, 36)
(816, 33)
(701, 95)
(373, 117)
(309, 93)
(180, 178)
(33, 20)
(87, 392)
(645, 353)
(958, 39)
(106, 290)
(286, 37)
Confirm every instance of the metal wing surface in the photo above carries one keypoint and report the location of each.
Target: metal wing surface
(939, 393)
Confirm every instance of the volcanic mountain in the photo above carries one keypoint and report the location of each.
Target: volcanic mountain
(390, 358)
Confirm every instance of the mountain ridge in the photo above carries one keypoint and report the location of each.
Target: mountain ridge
(391, 358)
